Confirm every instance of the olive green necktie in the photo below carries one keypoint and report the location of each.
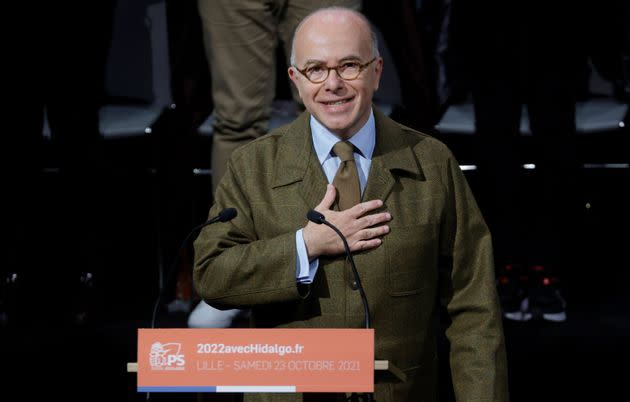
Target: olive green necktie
(346, 179)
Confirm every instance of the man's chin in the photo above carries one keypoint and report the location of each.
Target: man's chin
(337, 127)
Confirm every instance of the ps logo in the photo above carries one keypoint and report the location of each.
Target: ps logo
(166, 356)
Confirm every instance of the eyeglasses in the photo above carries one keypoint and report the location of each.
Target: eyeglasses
(348, 71)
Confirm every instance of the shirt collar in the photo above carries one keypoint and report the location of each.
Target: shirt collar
(324, 140)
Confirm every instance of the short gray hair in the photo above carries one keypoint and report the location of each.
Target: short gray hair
(375, 52)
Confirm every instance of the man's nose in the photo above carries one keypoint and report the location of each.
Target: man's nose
(333, 81)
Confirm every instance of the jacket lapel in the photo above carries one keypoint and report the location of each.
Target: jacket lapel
(299, 164)
(393, 155)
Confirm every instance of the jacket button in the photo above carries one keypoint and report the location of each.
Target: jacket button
(354, 285)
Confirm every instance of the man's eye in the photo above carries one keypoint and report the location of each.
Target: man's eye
(314, 70)
(350, 65)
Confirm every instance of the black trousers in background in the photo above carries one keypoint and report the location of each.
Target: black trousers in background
(58, 57)
(527, 55)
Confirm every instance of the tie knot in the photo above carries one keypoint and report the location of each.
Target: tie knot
(344, 150)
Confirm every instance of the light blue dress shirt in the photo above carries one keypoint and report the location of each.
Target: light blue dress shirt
(323, 141)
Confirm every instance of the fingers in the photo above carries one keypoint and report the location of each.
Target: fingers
(362, 228)
(371, 233)
(374, 219)
(370, 236)
(366, 245)
(365, 207)
(328, 200)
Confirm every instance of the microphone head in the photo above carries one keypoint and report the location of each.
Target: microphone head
(227, 214)
(315, 217)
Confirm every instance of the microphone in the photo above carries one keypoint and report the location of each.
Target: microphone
(319, 218)
(225, 215)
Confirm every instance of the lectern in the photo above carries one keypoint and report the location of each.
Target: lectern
(260, 360)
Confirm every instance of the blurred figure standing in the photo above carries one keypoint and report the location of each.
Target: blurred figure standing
(528, 53)
(59, 63)
(414, 59)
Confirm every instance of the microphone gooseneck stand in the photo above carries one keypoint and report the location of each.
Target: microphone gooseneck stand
(225, 215)
(319, 218)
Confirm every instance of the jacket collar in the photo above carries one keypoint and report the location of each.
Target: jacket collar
(392, 155)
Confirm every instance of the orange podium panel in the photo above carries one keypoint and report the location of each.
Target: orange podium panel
(255, 360)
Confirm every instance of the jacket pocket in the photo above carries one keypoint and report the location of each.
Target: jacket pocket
(412, 253)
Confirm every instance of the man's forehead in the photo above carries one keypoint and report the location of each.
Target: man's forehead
(332, 17)
(315, 60)
(339, 43)
(333, 24)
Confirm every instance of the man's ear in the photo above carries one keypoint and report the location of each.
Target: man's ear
(295, 78)
(378, 71)
(292, 74)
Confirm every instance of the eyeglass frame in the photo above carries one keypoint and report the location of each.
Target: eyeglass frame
(336, 68)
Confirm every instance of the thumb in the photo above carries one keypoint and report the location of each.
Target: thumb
(328, 200)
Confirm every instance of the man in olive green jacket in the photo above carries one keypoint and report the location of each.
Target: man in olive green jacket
(418, 238)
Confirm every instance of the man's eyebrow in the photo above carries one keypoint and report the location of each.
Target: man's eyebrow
(313, 61)
(352, 57)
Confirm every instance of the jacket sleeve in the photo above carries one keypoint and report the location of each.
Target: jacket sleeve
(468, 292)
(234, 267)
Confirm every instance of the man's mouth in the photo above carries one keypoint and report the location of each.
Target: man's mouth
(337, 102)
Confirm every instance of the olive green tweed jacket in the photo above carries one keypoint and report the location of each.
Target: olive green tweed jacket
(437, 254)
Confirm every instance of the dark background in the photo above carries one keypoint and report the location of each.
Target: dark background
(150, 183)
